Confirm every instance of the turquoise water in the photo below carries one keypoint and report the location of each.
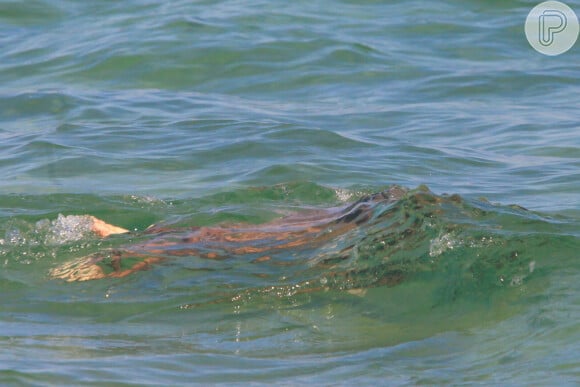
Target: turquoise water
(204, 113)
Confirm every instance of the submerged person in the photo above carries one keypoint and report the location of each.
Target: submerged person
(302, 230)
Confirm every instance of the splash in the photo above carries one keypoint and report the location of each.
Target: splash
(65, 229)
(25, 242)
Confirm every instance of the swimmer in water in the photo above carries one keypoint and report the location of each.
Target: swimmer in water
(302, 230)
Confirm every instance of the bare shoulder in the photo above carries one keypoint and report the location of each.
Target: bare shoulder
(104, 229)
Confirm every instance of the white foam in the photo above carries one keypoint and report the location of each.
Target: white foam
(66, 229)
(442, 243)
(343, 195)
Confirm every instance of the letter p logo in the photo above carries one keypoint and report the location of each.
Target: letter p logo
(551, 22)
(552, 28)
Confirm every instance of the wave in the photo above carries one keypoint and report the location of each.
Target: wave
(380, 240)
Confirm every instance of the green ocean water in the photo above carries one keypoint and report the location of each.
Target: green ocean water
(199, 113)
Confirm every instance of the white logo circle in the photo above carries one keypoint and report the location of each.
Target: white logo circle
(552, 28)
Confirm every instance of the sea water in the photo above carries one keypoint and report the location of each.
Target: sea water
(201, 113)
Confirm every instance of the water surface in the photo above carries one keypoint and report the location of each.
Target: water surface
(204, 113)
